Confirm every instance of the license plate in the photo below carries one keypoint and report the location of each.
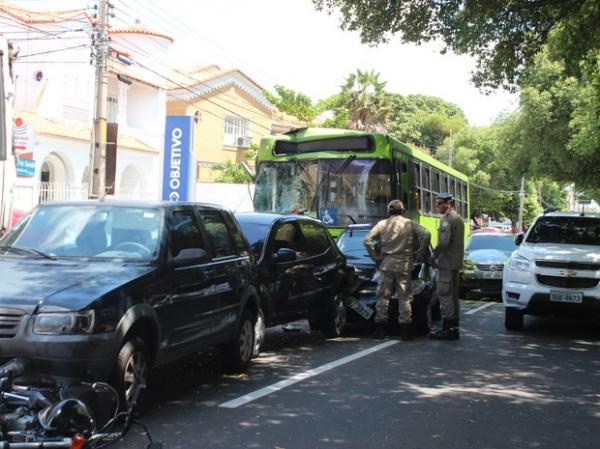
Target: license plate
(492, 275)
(365, 311)
(574, 297)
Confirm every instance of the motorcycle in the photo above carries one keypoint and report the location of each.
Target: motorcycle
(77, 416)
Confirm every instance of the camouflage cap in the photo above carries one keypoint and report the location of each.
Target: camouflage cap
(395, 206)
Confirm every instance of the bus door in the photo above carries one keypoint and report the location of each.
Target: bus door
(401, 183)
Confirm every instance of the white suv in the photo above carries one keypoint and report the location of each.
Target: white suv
(555, 270)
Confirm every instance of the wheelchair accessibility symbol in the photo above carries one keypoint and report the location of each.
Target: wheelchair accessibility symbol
(328, 215)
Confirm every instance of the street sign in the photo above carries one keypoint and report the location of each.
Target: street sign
(178, 163)
(584, 202)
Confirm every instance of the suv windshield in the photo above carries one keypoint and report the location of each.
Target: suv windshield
(90, 231)
(570, 230)
(500, 242)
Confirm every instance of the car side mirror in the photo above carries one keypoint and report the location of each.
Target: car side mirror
(519, 238)
(189, 255)
(284, 255)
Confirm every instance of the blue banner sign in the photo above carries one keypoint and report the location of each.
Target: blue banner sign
(178, 164)
(328, 215)
(25, 168)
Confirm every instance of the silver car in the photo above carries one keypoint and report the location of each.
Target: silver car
(485, 256)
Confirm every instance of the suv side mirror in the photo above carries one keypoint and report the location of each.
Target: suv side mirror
(519, 238)
(189, 255)
(284, 255)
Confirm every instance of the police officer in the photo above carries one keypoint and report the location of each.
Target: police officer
(394, 257)
(448, 258)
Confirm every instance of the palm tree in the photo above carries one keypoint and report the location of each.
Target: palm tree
(366, 102)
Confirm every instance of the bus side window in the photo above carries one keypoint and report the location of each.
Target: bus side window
(415, 190)
(425, 190)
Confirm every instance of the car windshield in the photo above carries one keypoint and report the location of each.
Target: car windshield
(90, 231)
(570, 230)
(500, 242)
(255, 233)
(338, 191)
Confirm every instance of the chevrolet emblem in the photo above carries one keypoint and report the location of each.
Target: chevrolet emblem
(568, 273)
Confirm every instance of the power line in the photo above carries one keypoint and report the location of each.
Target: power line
(52, 51)
(174, 23)
(196, 93)
(130, 46)
(489, 189)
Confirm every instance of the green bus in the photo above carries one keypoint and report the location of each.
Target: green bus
(345, 177)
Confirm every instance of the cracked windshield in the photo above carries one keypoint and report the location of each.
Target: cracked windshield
(348, 191)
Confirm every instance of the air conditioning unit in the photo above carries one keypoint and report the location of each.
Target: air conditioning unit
(244, 141)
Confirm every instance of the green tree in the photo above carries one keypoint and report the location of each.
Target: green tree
(235, 173)
(424, 121)
(365, 102)
(503, 36)
(294, 103)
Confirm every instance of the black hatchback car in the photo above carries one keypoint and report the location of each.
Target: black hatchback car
(301, 272)
(104, 290)
(425, 305)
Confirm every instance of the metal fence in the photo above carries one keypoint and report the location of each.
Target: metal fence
(58, 191)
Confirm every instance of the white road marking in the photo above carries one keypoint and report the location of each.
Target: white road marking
(477, 309)
(243, 400)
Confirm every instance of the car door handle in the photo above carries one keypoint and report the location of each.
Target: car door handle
(210, 272)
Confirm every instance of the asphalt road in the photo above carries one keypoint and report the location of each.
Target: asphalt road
(539, 388)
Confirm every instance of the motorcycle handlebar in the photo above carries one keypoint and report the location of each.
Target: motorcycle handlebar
(65, 443)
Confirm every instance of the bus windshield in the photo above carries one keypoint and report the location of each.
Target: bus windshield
(337, 191)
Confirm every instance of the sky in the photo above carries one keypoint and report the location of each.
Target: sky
(288, 42)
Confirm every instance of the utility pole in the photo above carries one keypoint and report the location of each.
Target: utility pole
(521, 204)
(98, 150)
(451, 149)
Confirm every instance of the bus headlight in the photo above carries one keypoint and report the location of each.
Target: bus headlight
(64, 323)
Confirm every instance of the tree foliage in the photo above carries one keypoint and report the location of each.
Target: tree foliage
(503, 36)
(294, 103)
(364, 101)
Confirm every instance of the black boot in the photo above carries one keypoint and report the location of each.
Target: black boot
(406, 332)
(448, 332)
(379, 333)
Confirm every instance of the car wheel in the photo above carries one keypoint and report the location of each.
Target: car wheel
(238, 352)
(420, 319)
(335, 321)
(513, 319)
(131, 371)
(259, 333)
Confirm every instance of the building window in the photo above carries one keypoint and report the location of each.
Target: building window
(237, 133)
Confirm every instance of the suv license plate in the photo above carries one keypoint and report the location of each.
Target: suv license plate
(574, 297)
(361, 309)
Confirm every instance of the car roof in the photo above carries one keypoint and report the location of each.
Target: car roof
(130, 203)
(268, 218)
(491, 234)
(570, 215)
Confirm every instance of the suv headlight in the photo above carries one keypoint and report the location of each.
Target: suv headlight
(64, 323)
(518, 263)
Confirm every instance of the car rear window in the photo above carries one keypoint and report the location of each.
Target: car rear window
(352, 242)
(498, 242)
(570, 230)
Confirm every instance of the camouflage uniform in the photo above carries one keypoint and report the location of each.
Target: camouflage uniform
(396, 236)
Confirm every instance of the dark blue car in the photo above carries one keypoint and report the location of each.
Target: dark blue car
(362, 309)
(105, 290)
(301, 273)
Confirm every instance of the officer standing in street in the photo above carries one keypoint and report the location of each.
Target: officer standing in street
(396, 236)
(448, 258)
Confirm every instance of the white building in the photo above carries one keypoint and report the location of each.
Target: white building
(54, 106)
